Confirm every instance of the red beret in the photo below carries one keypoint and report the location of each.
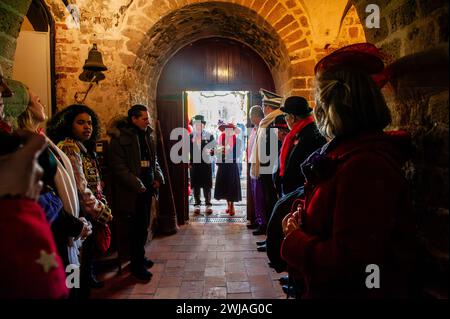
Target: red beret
(363, 56)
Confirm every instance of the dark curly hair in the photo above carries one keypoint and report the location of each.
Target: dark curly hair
(59, 127)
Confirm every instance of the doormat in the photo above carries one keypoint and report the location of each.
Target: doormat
(217, 220)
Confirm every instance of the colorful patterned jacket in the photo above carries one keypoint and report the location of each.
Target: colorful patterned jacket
(87, 176)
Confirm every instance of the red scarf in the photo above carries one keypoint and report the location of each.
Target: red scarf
(289, 140)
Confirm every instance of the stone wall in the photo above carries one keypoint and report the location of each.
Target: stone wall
(414, 34)
(350, 31)
(11, 17)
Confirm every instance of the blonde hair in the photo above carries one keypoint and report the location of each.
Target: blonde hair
(26, 121)
(348, 102)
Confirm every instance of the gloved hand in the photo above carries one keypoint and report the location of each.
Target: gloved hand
(87, 228)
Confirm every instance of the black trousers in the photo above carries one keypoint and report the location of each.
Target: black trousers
(88, 252)
(270, 194)
(138, 228)
(275, 233)
(206, 194)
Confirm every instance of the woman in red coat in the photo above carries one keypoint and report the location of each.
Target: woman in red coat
(353, 235)
(30, 267)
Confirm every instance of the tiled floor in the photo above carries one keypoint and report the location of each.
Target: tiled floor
(215, 261)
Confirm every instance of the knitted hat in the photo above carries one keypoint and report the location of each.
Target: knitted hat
(18, 103)
(270, 98)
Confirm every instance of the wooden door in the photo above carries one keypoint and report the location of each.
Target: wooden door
(212, 64)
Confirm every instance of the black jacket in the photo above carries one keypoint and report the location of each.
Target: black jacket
(201, 170)
(308, 140)
(125, 164)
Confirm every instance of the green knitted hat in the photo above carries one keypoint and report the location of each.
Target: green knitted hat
(17, 104)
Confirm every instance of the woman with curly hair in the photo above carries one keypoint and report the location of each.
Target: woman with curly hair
(76, 130)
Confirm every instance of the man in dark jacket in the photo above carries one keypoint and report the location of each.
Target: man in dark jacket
(303, 139)
(136, 179)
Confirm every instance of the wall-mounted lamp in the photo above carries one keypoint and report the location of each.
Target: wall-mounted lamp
(92, 72)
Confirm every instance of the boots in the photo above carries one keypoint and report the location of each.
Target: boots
(90, 278)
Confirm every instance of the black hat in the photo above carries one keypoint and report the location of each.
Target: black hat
(296, 105)
(279, 122)
(198, 118)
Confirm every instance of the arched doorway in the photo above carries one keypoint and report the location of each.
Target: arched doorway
(196, 67)
(37, 70)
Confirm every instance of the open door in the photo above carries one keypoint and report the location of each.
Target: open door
(212, 64)
(171, 115)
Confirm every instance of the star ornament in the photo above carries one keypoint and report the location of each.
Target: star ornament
(47, 261)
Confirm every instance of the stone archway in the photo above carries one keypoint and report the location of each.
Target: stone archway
(121, 29)
(203, 20)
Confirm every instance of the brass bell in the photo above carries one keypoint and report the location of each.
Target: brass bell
(91, 76)
(94, 61)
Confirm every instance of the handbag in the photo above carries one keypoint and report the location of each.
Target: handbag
(51, 204)
(102, 236)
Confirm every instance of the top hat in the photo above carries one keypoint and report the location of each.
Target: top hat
(270, 98)
(198, 118)
(296, 105)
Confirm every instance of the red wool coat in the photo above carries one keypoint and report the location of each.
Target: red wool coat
(360, 214)
(30, 267)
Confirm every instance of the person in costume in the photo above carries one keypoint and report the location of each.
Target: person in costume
(75, 130)
(228, 183)
(265, 153)
(256, 194)
(356, 217)
(201, 146)
(303, 139)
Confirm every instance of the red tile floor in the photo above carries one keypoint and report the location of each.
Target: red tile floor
(202, 260)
